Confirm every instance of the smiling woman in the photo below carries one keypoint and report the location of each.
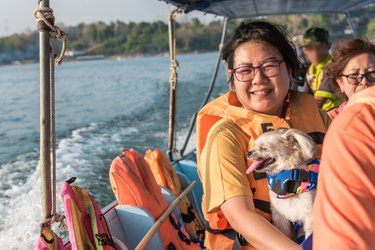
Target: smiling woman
(264, 90)
(261, 64)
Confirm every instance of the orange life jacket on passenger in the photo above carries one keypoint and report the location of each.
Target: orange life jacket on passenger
(166, 176)
(134, 184)
(301, 113)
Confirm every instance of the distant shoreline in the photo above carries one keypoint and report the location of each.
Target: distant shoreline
(102, 57)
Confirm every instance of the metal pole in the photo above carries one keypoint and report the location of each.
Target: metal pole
(45, 120)
(349, 18)
(213, 81)
(172, 83)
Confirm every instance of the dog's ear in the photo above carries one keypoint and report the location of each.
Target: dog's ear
(306, 143)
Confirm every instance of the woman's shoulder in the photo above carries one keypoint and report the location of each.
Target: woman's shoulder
(228, 130)
(225, 125)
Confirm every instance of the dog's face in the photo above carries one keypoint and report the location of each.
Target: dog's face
(281, 149)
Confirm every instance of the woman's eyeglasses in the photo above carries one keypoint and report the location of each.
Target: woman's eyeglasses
(247, 73)
(355, 79)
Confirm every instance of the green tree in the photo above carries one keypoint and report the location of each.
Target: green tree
(370, 31)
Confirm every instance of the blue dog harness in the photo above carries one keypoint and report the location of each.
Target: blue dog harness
(292, 182)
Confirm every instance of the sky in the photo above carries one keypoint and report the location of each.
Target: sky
(16, 16)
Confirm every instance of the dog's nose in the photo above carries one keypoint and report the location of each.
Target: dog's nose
(249, 153)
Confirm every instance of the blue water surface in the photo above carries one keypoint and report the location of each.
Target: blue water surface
(102, 107)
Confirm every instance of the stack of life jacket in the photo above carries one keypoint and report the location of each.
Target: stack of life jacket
(134, 184)
(165, 175)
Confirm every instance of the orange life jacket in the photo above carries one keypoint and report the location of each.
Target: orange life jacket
(302, 113)
(134, 184)
(166, 176)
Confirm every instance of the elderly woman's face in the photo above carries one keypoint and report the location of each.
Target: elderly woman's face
(354, 82)
(264, 89)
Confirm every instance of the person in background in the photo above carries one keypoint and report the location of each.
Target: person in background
(350, 58)
(316, 47)
(344, 213)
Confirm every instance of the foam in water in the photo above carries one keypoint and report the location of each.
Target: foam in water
(20, 201)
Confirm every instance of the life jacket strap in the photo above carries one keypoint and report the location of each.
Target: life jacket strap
(232, 234)
(177, 226)
(259, 176)
(262, 205)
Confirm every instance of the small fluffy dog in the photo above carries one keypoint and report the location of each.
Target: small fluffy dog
(285, 149)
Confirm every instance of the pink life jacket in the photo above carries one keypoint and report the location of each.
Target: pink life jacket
(48, 240)
(86, 224)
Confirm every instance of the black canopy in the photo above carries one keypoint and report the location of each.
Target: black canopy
(249, 8)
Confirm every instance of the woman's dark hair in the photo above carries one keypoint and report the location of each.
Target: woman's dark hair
(342, 52)
(263, 32)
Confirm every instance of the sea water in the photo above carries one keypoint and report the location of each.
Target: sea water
(102, 107)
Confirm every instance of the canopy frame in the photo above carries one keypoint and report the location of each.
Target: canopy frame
(233, 9)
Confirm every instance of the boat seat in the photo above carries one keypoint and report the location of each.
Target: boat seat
(169, 196)
(114, 226)
(189, 169)
(135, 223)
(139, 221)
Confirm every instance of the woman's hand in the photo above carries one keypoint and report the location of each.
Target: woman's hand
(240, 213)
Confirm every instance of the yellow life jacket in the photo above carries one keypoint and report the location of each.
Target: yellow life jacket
(302, 113)
(317, 72)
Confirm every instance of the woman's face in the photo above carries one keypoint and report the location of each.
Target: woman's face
(261, 93)
(359, 64)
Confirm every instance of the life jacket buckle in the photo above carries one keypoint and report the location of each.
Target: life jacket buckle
(104, 240)
(300, 175)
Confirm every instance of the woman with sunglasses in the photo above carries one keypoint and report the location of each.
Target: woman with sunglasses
(343, 211)
(352, 68)
(262, 63)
